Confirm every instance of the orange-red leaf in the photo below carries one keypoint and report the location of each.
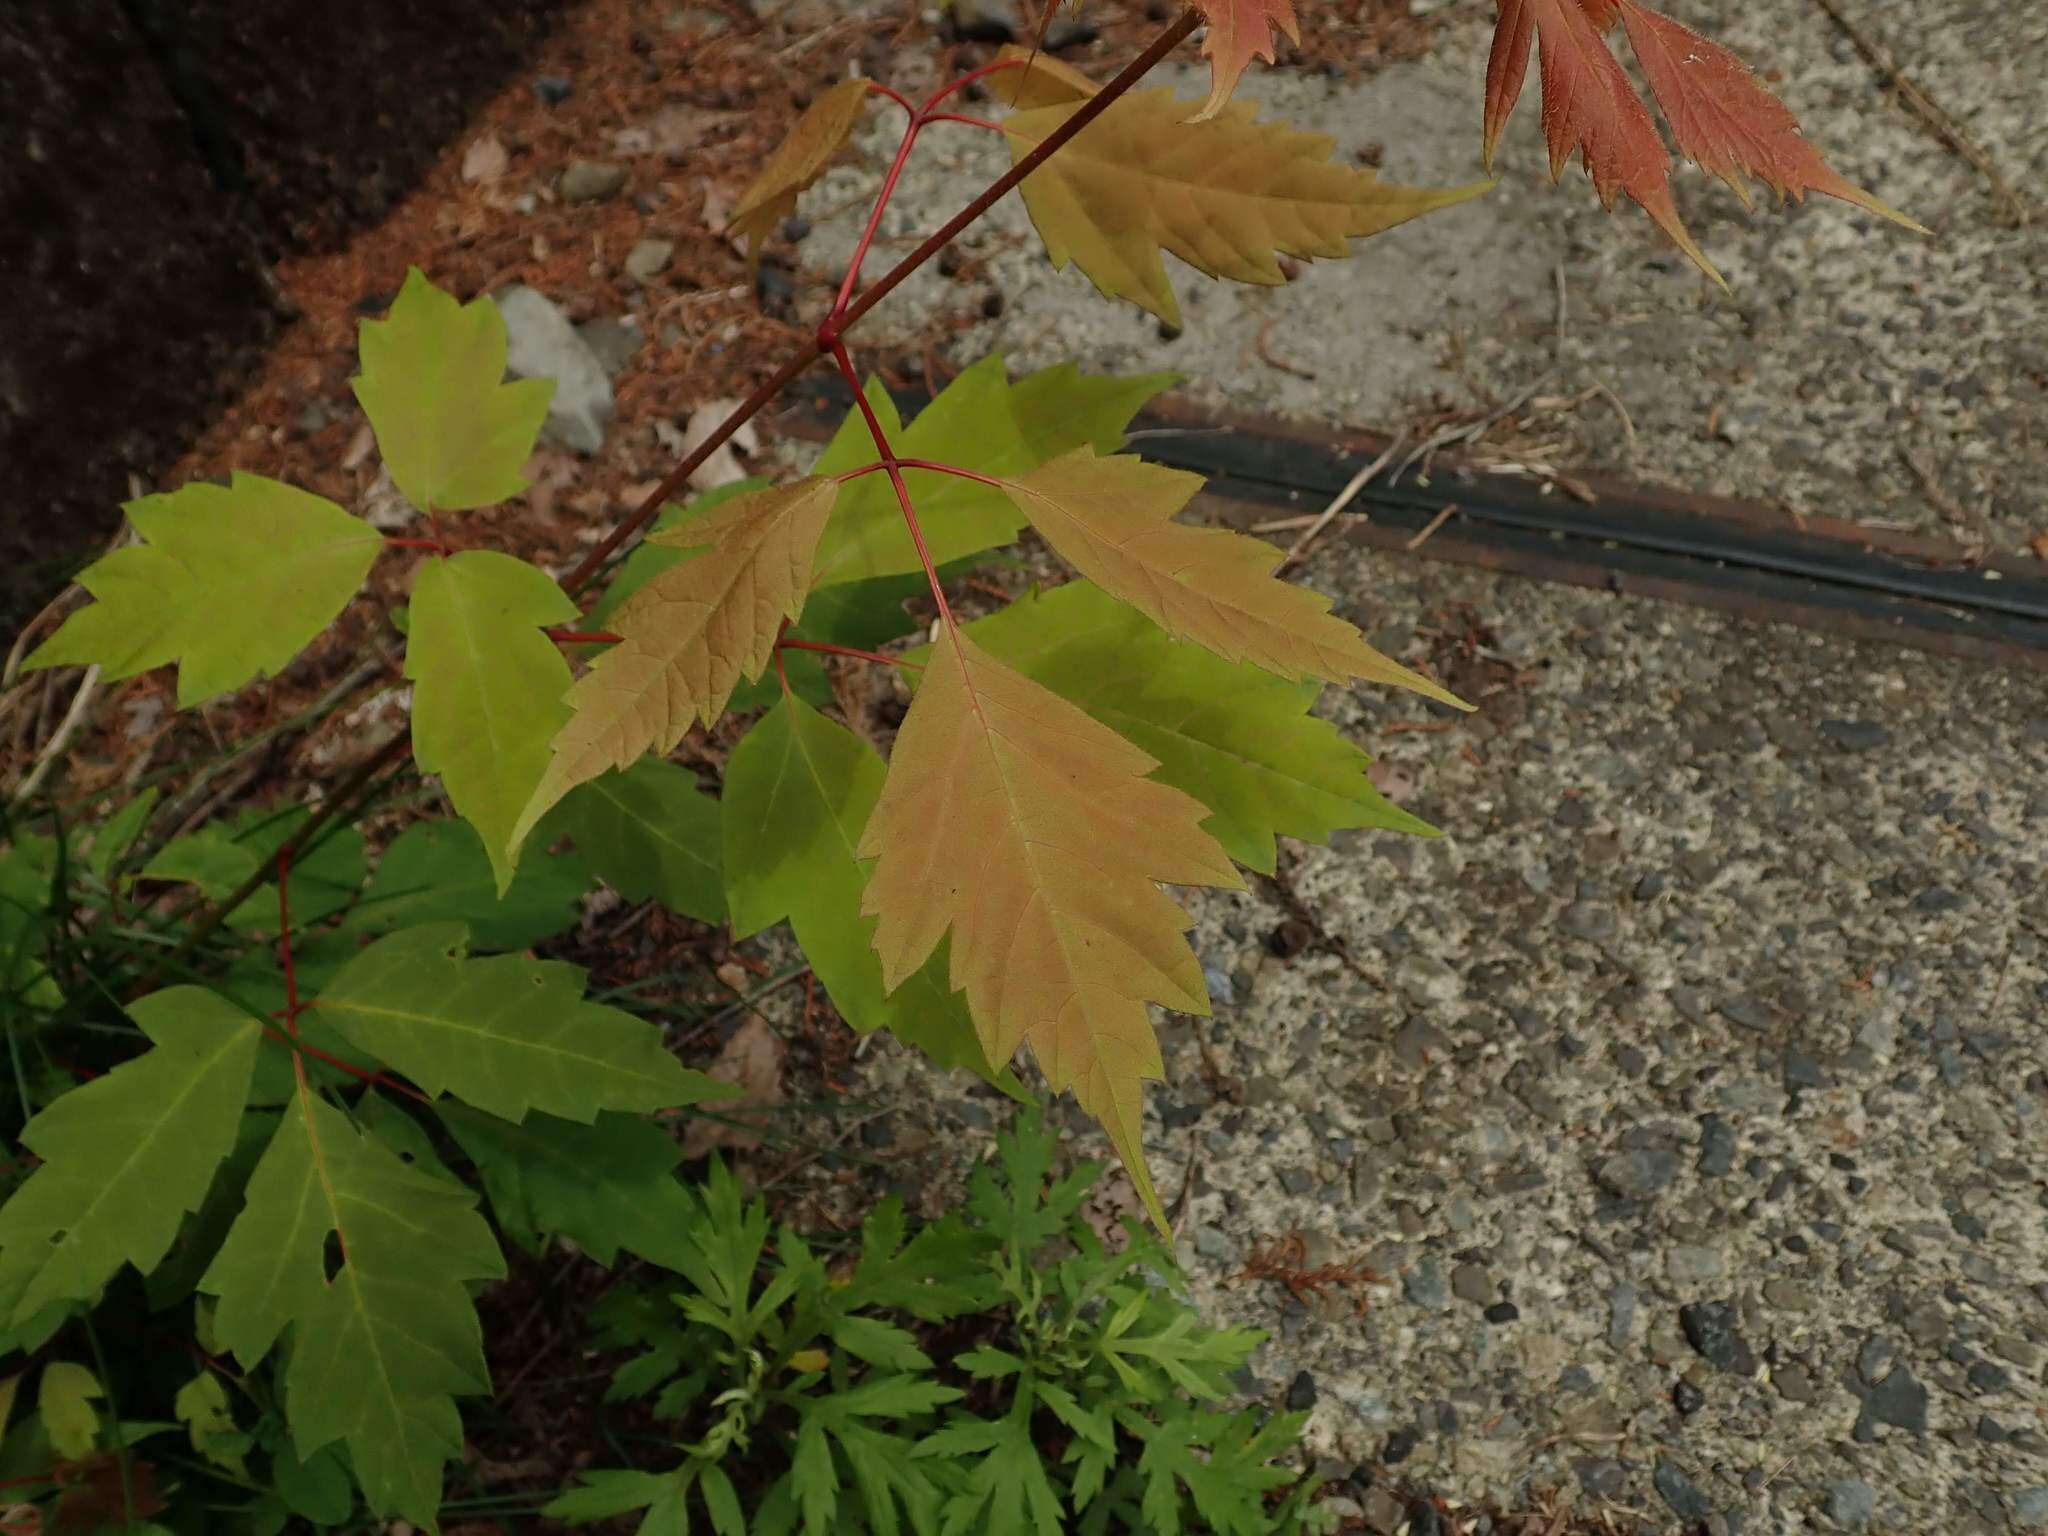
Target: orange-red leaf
(1720, 116)
(797, 162)
(1112, 520)
(1239, 31)
(1723, 119)
(1030, 831)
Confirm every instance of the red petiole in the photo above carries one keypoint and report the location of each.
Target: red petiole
(931, 465)
(827, 648)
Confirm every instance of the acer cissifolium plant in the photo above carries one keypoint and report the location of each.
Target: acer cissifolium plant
(313, 1080)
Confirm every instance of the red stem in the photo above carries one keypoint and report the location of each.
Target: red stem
(931, 571)
(581, 636)
(962, 117)
(392, 542)
(829, 649)
(373, 1079)
(933, 465)
(830, 329)
(651, 504)
(898, 97)
(954, 87)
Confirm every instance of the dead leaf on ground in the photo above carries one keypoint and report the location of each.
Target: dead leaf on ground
(485, 159)
(1397, 781)
(723, 467)
(752, 1063)
(2039, 546)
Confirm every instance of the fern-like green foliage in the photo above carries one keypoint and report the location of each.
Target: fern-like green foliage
(1091, 1401)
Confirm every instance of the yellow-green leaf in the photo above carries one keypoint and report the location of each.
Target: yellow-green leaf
(797, 162)
(384, 1330)
(689, 635)
(1234, 736)
(230, 581)
(64, 1401)
(1031, 834)
(1112, 520)
(1229, 196)
(487, 686)
(202, 1407)
(649, 831)
(453, 433)
(125, 1156)
(979, 421)
(505, 1033)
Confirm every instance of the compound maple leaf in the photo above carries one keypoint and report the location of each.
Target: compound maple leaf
(1720, 116)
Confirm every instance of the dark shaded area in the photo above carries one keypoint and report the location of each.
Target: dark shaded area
(154, 155)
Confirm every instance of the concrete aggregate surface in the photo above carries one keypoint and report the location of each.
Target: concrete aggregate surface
(1854, 369)
(1688, 1095)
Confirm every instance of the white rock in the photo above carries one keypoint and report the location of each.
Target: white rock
(542, 344)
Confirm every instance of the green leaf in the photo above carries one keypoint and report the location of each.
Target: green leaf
(979, 421)
(1225, 1463)
(126, 1155)
(1238, 739)
(505, 1033)
(317, 1488)
(1058, 409)
(229, 583)
(878, 1343)
(116, 835)
(488, 686)
(1006, 1491)
(28, 878)
(221, 855)
(453, 434)
(202, 1407)
(437, 871)
(940, 1273)
(64, 1402)
(798, 790)
(607, 1186)
(605, 1495)
(383, 1330)
(651, 833)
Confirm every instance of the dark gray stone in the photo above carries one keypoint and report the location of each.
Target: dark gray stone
(1590, 921)
(1899, 1400)
(1424, 1284)
(1749, 1012)
(1638, 1173)
(1471, 1282)
(1856, 735)
(1301, 1393)
(1717, 1147)
(1851, 1502)
(1711, 1328)
(1680, 1492)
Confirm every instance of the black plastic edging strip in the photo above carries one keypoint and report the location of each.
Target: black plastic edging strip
(1514, 520)
(1507, 502)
